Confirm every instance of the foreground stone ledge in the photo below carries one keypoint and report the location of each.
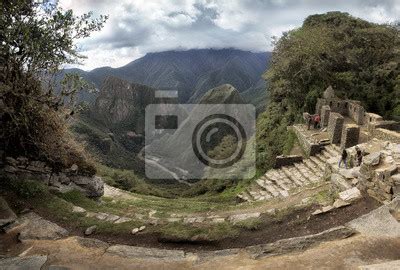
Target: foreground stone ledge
(34, 227)
(298, 243)
(145, 253)
(30, 262)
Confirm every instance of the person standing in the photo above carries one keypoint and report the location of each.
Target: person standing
(317, 120)
(359, 156)
(343, 158)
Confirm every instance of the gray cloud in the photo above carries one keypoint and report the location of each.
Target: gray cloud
(141, 26)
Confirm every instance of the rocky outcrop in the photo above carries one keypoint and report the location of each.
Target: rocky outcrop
(223, 94)
(66, 180)
(121, 104)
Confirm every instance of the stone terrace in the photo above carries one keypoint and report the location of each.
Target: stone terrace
(280, 183)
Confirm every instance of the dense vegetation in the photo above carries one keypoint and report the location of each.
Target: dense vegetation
(37, 38)
(359, 59)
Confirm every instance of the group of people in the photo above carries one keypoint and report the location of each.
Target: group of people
(313, 120)
(344, 158)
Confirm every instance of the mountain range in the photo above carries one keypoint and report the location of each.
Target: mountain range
(192, 73)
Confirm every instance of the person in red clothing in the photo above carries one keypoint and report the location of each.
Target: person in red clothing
(317, 120)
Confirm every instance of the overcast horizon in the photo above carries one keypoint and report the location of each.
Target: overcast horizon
(138, 27)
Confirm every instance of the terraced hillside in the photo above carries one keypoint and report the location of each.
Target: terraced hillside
(280, 183)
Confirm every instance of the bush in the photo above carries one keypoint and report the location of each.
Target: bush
(27, 188)
(33, 117)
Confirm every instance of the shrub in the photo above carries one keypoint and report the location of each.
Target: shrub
(27, 188)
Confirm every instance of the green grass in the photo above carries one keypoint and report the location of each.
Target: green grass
(188, 232)
(251, 224)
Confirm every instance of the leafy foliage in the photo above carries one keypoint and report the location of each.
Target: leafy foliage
(359, 59)
(37, 38)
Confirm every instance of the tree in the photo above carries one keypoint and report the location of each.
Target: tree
(358, 58)
(37, 39)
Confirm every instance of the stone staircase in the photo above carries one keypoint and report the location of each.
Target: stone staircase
(278, 183)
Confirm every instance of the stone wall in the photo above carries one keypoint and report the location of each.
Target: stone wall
(336, 105)
(355, 111)
(309, 147)
(325, 112)
(370, 118)
(64, 181)
(282, 161)
(350, 136)
(335, 126)
(379, 183)
(389, 125)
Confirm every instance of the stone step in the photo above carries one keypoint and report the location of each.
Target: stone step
(299, 176)
(308, 174)
(291, 174)
(246, 196)
(326, 154)
(291, 182)
(278, 178)
(335, 148)
(257, 194)
(320, 163)
(332, 151)
(312, 166)
(263, 185)
(271, 188)
(279, 183)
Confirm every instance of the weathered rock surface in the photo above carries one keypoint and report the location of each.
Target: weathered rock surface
(241, 217)
(145, 253)
(35, 227)
(372, 159)
(77, 209)
(391, 265)
(299, 243)
(394, 208)
(90, 230)
(23, 263)
(339, 182)
(6, 214)
(350, 194)
(378, 222)
(139, 229)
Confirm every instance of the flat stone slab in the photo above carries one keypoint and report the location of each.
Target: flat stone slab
(6, 214)
(23, 263)
(35, 227)
(145, 253)
(350, 194)
(382, 266)
(378, 222)
(298, 243)
(242, 217)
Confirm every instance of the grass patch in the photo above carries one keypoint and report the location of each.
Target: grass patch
(178, 231)
(26, 188)
(251, 224)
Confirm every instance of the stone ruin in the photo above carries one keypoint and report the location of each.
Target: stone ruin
(378, 175)
(346, 119)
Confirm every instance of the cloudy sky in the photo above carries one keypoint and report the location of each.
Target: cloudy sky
(136, 27)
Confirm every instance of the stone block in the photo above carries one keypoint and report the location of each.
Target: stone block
(325, 112)
(335, 126)
(350, 136)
